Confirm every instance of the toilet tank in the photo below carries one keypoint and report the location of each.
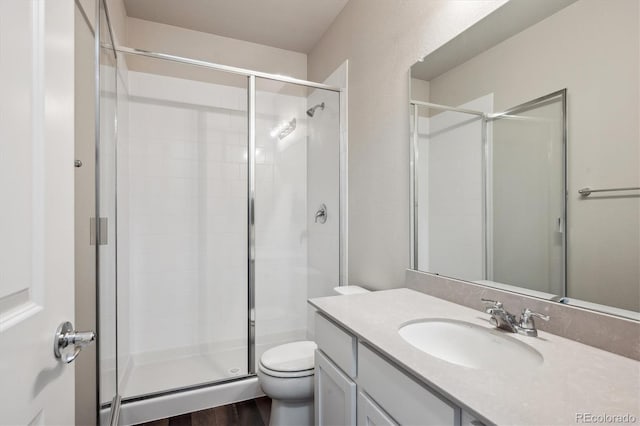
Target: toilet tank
(350, 289)
(343, 290)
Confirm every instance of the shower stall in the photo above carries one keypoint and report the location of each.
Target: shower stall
(219, 214)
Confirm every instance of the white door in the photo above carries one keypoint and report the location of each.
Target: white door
(36, 208)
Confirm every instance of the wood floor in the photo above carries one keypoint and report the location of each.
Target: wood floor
(254, 412)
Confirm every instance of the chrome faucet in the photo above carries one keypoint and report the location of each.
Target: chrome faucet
(504, 320)
(499, 316)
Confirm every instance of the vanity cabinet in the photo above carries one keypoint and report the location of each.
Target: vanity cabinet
(386, 395)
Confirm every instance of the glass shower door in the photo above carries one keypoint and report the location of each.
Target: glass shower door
(187, 206)
(527, 196)
(297, 207)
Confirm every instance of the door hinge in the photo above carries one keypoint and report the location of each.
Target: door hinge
(99, 234)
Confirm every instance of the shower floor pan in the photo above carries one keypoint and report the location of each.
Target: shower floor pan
(150, 377)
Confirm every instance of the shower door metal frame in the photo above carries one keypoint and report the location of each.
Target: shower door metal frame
(226, 68)
(251, 199)
(413, 190)
(251, 189)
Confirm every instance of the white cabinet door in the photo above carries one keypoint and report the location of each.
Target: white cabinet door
(370, 414)
(335, 394)
(36, 209)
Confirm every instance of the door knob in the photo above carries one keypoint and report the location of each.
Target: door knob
(66, 337)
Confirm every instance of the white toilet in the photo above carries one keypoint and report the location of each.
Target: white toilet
(286, 374)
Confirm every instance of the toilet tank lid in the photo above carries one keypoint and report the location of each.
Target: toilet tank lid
(350, 289)
(296, 356)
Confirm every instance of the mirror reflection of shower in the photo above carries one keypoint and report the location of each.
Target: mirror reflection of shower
(311, 111)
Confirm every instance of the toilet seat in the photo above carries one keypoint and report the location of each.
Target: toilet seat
(286, 374)
(290, 360)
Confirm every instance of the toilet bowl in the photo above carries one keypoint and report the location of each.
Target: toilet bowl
(286, 375)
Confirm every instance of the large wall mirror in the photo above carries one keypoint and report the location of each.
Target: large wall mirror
(525, 143)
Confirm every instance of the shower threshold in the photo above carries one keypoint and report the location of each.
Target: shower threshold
(146, 375)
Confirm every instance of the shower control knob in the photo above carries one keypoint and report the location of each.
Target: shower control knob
(321, 214)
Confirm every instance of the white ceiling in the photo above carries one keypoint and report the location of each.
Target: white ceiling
(288, 24)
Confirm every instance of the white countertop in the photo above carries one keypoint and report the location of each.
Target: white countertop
(574, 378)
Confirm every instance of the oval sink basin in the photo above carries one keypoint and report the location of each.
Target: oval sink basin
(469, 345)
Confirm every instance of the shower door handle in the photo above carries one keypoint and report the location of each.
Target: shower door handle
(65, 337)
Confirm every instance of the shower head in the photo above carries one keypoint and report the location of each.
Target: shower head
(312, 110)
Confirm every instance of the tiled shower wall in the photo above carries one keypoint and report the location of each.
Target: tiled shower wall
(188, 213)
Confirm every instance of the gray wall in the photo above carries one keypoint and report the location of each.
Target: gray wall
(382, 39)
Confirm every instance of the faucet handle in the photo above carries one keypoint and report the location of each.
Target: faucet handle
(491, 304)
(527, 325)
(528, 313)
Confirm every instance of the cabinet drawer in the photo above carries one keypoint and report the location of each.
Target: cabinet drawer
(406, 400)
(337, 344)
(370, 414)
